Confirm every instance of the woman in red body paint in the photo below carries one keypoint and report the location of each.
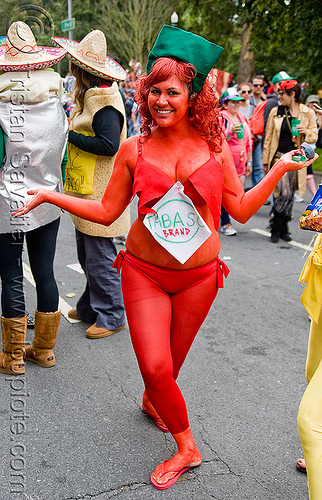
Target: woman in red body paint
(167, 297)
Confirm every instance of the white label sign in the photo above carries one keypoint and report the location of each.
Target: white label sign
(177, 225)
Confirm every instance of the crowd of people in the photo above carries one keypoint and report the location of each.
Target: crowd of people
(164, 136)
(268, 112)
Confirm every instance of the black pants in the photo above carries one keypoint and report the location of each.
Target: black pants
(41, 246)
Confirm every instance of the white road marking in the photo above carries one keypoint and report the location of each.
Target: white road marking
(294, 243)
(63, 305)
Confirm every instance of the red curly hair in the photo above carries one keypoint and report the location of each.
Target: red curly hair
(204, 109)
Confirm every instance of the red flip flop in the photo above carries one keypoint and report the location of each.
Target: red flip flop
(156, 420)
(171, 481)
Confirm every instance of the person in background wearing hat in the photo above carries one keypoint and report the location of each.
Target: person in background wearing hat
(182, 170)
(272, 101)
(33, 135)
(273, 98)
(280, 138)
(239, 138)
(313, 102)
(97, 128)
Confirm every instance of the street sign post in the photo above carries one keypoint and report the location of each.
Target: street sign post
(68, 24)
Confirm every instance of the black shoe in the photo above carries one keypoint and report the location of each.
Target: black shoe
(286, 237)
(275, 237)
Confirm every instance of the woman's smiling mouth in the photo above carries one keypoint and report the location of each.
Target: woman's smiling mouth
(164, 111)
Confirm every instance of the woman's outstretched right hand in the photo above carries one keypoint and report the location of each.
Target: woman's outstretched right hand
(39, 197)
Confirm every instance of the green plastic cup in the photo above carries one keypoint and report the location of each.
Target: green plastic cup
(240, 133)
(295, 123)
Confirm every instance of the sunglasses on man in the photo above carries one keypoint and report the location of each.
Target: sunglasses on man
(258, 85)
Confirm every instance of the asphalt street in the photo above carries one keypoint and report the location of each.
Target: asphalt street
(76, 431)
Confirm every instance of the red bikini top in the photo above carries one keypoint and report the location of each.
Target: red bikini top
(204, 186)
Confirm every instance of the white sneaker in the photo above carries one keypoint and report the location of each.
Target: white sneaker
(297, 197)
(228, 230)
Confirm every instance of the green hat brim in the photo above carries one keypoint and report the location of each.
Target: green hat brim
(235, 98)
(185, 46)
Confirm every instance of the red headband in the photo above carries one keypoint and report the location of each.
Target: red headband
(288, 84)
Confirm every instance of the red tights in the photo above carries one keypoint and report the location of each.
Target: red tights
(163, 326)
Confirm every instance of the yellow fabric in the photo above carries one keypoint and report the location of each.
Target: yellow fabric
(80, 169)
(314, 351)
(310, 413)
(312, 275)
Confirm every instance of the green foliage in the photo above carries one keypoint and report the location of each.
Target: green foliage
(287, 36)
(317, 165)
(218, 22)
(131, 26)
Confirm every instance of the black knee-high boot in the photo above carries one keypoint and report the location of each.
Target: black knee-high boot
(285, 234)
(276, 226)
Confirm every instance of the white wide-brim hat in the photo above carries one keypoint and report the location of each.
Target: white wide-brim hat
(21, 52)
(90, 55)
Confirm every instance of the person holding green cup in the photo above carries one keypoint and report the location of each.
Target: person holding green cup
(237, 132)
(288, 126)
(239, 138)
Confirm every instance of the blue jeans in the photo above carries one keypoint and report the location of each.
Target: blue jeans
(102, 300)
(258, 172)
(224, 217)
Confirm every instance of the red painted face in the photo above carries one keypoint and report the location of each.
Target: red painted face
(168, 102)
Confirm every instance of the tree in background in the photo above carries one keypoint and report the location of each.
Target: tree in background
(219, 22)
(246, 66)
(131, 26)
(280, 34)
(286, 35)
(258, 36)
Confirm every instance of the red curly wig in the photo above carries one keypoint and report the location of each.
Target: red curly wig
(204, 109)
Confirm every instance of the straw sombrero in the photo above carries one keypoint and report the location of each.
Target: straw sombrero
(21, 52)
(90, 54)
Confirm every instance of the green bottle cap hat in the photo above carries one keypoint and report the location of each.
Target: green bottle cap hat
(279, 77)
(188, 47)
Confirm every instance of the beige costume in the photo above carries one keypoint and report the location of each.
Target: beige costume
(96, 99)
(273, 130)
